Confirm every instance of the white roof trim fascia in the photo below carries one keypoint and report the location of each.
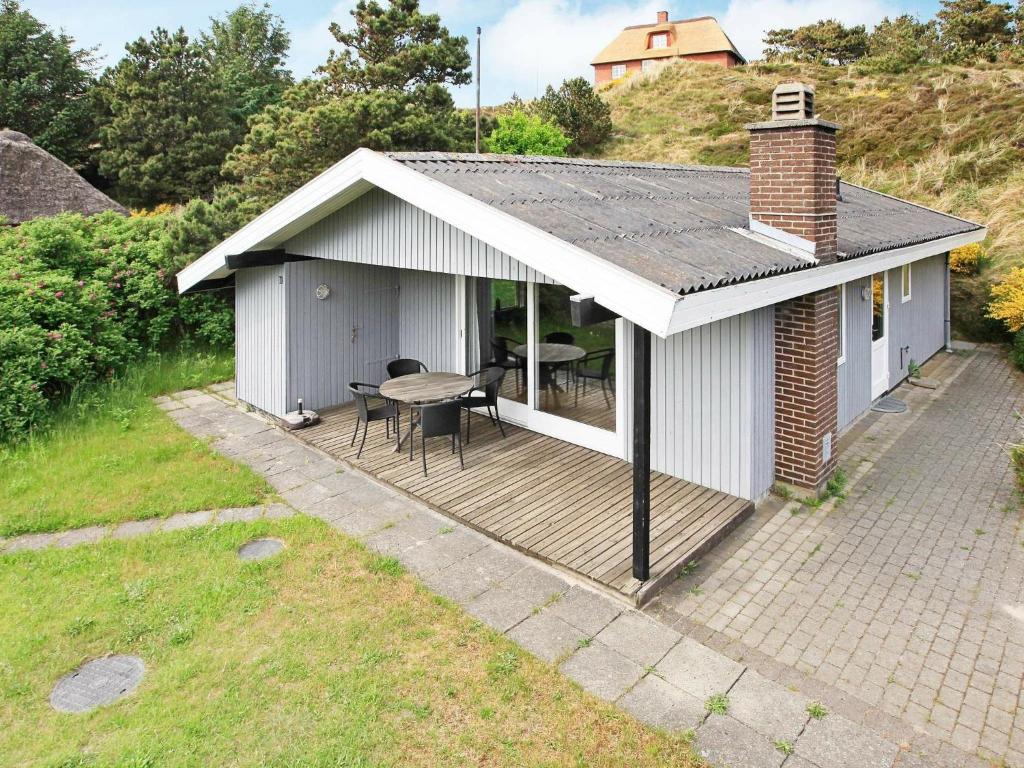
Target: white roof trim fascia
(708, 306)
(635, 298)
(259, 233)
(641, 301)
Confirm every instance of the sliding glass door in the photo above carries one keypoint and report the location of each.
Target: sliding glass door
(560, 379)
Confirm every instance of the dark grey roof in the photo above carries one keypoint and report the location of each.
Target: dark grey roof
(35, 183)
(683, 227)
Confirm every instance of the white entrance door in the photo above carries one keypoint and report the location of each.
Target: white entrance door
(879, 335)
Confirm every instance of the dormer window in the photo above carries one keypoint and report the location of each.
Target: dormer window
(659, 40)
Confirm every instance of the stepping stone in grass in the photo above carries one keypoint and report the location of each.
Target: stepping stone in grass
(260, 549)
(97, 682)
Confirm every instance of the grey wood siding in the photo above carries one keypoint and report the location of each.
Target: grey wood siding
(260, 338)
(712, 404)
(347, 337)
(854, 375)
(379, 228)
(428, 319)
(917, 327)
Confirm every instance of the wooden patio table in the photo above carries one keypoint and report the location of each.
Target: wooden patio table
(420, 388)
(553, 356)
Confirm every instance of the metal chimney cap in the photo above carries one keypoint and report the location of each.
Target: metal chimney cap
(793, 101)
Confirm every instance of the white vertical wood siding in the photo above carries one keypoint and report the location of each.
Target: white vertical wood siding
(379, 228)
(349, 336)
(428, 319)
(260, 338)
(854, 375)
(713, 404)
(918, 324)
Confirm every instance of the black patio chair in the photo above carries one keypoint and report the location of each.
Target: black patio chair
(502, 354)
(371, 406)
(403, 366)
(487, 384)
(595, 366)
(437, 420)
(561, 337)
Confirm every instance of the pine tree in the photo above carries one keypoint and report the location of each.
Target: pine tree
(973, 29)
(44, 85)
(579, 111)
(168, 128)
(247, 48)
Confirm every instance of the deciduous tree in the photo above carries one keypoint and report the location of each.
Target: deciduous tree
(519, 133)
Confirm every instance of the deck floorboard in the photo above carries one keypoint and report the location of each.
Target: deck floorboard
(564, 504)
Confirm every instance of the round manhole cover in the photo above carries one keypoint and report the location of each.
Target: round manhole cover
(260, 549)
(96, 683)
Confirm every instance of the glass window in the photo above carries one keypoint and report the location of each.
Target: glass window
(877, 306)
(618, 70)
(575, 365)
(500, 332)
(659, 40)
(647, 65)
(841, 320)
(905, 281)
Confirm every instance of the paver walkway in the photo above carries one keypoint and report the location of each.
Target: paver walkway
(132, 528)
(906, 602)
(644, 665)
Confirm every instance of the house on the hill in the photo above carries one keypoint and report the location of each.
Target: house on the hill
(677, 338)
(641, 47)
(35, 183)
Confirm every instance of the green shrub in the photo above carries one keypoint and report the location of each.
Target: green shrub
(83, 297)
(1017, 353)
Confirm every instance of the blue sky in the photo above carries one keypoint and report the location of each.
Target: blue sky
(526, 43)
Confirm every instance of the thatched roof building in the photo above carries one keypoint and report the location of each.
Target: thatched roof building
(35, 183)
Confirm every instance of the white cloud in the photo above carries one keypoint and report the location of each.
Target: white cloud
(535, 43)
(746, 21)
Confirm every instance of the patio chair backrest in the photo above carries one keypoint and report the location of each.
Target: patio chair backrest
(439, 419)
(606, 356)
(501, 349)
(403, 366)
(362, 392)
(489, 380)
(560, 337)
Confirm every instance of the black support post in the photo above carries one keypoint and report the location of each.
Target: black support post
(641, 453)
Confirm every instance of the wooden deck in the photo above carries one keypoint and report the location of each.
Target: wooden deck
(566, 505)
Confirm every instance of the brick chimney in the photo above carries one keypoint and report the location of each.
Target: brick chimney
(662, 17)
(793, 199)
(793, 174)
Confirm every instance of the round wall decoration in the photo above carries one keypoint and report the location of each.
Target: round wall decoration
(323, 291)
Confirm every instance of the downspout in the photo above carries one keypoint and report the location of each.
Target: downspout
(946, 308)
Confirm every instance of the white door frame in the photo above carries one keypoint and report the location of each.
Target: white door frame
(880, 348)
(527, 414)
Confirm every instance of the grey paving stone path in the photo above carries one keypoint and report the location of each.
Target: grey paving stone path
(639, 661)
(133, 528)
(904, 605)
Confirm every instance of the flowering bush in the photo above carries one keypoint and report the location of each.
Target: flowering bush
(81, 298)
(1007, 300)
(966, 259)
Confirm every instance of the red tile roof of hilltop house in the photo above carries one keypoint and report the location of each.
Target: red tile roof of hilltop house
(687, 37)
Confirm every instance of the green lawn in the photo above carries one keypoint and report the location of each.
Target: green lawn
(323, 656)
(111, 455)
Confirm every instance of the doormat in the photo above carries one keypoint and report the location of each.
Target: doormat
(889, 404)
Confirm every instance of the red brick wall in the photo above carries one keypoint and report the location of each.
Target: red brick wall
(603, 72)
(806, 391)
(793, 183)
